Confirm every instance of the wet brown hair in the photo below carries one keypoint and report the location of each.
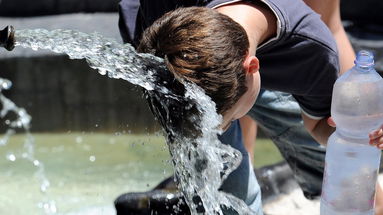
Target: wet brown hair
(202, 46)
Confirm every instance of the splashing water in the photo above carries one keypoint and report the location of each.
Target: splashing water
(23, 121)
(201, 163)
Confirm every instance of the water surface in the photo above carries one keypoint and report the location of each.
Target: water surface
(86, 171)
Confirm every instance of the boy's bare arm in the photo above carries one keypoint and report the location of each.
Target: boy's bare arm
(320, 130)
(323, 128)
(329, 11)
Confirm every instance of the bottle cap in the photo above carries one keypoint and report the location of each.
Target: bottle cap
(364, 59)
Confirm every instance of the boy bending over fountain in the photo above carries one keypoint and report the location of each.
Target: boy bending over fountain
(225, 46)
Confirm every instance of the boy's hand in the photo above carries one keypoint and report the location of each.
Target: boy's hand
(376, 136)
(331, 122)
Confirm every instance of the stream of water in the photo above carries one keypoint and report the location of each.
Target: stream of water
(188, 152)
(17, 118)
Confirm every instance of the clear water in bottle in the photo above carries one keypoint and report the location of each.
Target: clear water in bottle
(352, 165)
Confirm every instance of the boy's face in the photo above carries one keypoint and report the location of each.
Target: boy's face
(247, 100)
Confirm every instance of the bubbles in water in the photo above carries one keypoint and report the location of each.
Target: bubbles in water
(36, 162)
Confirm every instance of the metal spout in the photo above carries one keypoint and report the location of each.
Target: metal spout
(7, 38)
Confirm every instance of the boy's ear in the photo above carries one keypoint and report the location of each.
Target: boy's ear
(251, 64)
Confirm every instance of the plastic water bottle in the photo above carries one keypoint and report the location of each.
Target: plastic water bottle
(351, 167)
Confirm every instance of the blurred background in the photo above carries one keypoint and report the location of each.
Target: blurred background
(96, 136)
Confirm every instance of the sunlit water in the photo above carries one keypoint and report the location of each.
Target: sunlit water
(122, 62)
(86, 171)
(17, 118)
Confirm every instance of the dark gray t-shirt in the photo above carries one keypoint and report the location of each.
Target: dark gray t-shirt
(302, 59)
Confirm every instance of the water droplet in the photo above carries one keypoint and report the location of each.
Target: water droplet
(53, 208)
(44, 186)
(78, 139)
(102, 71)
(11, 157)
(170, 196)
(92, 158)
(48, 207)
(6, 84)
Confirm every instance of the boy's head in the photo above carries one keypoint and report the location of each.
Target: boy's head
(207, 48)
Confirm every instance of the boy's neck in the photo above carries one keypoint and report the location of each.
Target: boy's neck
(258, 21)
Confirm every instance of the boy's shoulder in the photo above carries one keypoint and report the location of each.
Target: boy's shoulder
(294, 18)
